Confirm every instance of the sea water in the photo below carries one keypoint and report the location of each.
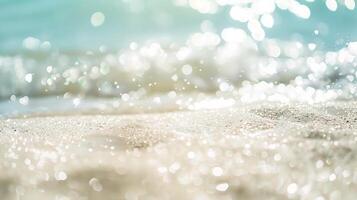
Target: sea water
(125, 51)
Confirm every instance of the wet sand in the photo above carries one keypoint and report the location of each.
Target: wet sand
(253, 151)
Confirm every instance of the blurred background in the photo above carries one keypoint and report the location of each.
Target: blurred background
(68, 54)
(71, 26)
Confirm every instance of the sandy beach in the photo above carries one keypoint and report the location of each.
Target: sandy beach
(249, 151)
(178, 100)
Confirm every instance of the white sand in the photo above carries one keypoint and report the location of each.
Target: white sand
(258, 151)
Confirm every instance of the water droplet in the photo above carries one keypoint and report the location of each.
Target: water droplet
(97, 19)
(24, 100)
(60, 176)
(28, 78)
(292, 188)
(95, 184)
(186, 69)
(222, 187)
(217, 171)
(331, 5)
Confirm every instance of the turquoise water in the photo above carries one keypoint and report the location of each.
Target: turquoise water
(66, 23)
(71, 51)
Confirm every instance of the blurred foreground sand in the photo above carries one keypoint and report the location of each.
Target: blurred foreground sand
(256, 151)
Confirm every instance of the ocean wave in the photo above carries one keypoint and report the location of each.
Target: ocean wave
(206, 63)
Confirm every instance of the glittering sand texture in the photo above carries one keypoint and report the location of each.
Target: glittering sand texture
(255, 151)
